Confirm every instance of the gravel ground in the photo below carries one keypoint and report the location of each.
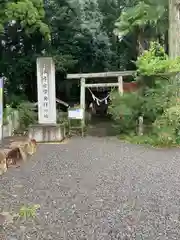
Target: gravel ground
(96, 189)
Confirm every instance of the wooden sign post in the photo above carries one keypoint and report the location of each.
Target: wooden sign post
(76, 114)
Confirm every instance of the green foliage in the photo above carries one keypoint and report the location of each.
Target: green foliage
(23, 35)
(167, 126)
(149, 103)
(27, 115)
(14, 100)
(125, 110)
(79, 41)
(157, 99)
(7, 112)
(62, 118)
(144, 14)
(164, 132)
(144, 139)
(163, 140)
(82, 40)
(155, 61)
(159, 107)
(27, 212)
(29, 13)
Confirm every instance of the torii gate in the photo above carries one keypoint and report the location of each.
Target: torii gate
(84, 76)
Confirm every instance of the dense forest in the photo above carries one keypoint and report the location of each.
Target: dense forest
(81, 36)
(97, 36)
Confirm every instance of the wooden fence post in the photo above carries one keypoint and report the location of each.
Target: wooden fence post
(120, 82)
(140, 126)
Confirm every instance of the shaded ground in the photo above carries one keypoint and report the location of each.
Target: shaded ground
(96, 188)
(101, 127)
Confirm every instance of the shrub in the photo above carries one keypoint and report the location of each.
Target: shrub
(27, 115)
(155, 61)
(167, 126)
(156, 101)
(7, 111)
(125, 110)
(170, 118)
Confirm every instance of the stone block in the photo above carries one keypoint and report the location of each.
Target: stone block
(47, 132)
(3, 164)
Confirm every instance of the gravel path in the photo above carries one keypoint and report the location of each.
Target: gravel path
(96, 189)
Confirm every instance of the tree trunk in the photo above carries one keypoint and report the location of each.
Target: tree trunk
(140, 42)
(174, 28)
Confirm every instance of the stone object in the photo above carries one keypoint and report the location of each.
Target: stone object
(47, 132)
(15, 152)
(46, 91)
(3, 165)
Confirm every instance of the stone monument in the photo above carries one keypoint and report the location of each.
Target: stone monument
(46, 91)
(46, 130)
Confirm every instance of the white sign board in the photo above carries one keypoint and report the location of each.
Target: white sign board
(46, 91)
(75, 113)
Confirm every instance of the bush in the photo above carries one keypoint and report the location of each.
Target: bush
(27, 115)
(156, 101)
(156, 61)
(125, 110)
(7, 111)
(165, 130)
(167, 126)
(160, 109)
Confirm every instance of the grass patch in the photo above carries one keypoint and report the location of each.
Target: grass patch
(150, 140)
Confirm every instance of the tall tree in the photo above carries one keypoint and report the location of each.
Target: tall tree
(123, 52)
(174, 28)
(147, 18)
(23, 32)
(95, 53)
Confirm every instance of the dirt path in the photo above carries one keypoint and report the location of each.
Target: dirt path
(96, 188)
